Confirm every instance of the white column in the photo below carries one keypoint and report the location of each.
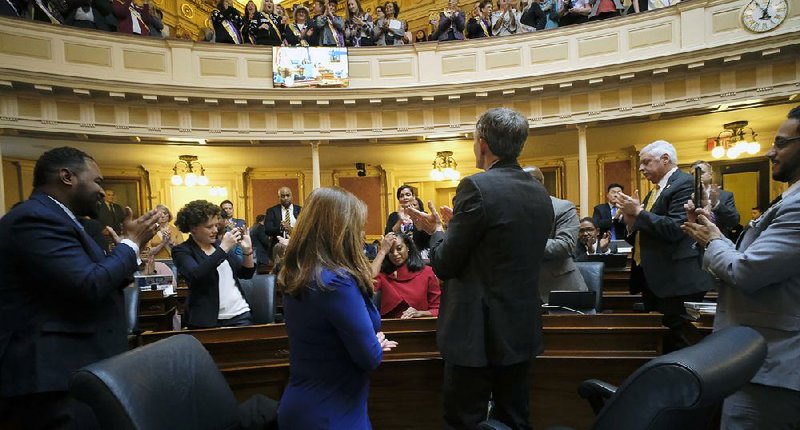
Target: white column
(583, 171)
(315, 164)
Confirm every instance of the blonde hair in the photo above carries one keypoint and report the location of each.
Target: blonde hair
(328, 235)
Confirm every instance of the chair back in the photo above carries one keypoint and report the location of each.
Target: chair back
(592, 272)
(376, 300)
(260, 294)
(131, 293)
(681, 390)
(170, 384)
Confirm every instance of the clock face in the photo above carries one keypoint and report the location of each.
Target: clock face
(764, 15)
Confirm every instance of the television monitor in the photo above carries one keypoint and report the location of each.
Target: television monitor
(309, 67)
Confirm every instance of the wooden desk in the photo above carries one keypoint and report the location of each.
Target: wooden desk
(406, 389)
(156, 311)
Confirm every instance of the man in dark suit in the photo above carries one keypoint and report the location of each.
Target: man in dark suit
(607, 216)
(261, 244)
(489, 325)
(61, 300)
(110, 213)
(666, 268)
(726, 216)
(590, 242)
(282, 217)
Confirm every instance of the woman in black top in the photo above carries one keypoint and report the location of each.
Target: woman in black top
(267, 26)
(400, 223)
(227, 22)
(250, 12)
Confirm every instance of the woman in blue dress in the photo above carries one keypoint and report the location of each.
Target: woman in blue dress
(333, 327)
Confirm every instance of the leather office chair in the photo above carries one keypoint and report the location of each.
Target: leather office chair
(376, 300)
(171, 384)
(131, 293)
(260, 294)
(592, 272)
(679, 390)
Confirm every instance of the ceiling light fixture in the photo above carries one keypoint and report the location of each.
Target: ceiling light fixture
(187, 165)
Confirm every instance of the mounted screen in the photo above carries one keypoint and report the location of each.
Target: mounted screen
(309, 67)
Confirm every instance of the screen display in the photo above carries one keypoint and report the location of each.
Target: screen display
(309, 67)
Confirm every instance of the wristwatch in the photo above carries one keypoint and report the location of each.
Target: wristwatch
(712, 239)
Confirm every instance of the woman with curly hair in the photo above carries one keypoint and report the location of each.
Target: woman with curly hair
(330, 319)
(211, 269)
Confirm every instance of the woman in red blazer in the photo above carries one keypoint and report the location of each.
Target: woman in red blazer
(408, 288)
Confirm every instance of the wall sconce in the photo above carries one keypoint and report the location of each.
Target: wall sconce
(444, 167)
(187, 165)
(731, 141)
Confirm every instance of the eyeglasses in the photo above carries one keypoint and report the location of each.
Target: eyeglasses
(783, 142)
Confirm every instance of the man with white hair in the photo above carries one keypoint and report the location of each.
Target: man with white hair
(666, 267)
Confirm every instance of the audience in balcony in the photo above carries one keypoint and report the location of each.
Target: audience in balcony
(604, 9)
(328, 27)
(156, 22)
(451, 23)
(267, 26)
(480, 24)
(89, 14)
(505, 21)
(390, 30)
(132, 18)
(227, 21)
(574, 12)
(358, 27)
(250, 11)
(295, 34)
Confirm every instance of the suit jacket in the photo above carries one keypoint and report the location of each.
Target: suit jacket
(602, 217)
(489, 258)
(558, 271)
(61, 300)
(670, 261)
(122, 11)
(200, 272)
(272, 223)
(111, 217)
(725, 213)
(261, 243)
(759, 287)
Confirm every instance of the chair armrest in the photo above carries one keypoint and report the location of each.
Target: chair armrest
(596, 392)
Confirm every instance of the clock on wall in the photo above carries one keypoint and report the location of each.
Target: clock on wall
(764, 15)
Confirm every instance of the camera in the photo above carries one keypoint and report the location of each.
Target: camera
(361, 168)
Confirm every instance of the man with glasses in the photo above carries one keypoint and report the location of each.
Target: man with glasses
(759, 286)
(666, 268)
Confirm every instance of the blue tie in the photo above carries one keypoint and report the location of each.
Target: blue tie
(613, 230)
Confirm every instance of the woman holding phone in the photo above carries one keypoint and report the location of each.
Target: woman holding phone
(207, 262)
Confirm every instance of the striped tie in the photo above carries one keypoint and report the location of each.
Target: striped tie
(650, 200)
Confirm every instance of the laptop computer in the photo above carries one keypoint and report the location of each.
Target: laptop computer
(580, 302)
(622, 246)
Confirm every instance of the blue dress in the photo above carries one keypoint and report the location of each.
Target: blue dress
(332, 349)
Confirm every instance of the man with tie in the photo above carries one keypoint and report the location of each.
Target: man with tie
(758, 280)
(61, 297)
(590, 242)
(110, 213)
(666, 268)
(282, 217)
(607, 215)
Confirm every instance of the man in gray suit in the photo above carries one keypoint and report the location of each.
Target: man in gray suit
(558, 272)
(666, 268)
(759, 286)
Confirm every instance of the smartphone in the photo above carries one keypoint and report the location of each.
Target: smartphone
(698, 188)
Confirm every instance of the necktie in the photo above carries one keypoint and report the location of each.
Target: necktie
(651, 200)
(613, 227)
(286, 218)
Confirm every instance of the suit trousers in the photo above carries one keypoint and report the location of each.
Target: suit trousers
(757, 407)
(675, 317)
(55, 410)
(467, 391)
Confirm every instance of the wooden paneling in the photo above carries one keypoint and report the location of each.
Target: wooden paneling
(369, 190)
(265, 193)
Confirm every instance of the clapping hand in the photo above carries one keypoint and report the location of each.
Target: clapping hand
(386, 344)
(703, 230)
(427, 222)
(142, 229)
(630, 206)
(245, 241)
(446, 213)
(605, 240)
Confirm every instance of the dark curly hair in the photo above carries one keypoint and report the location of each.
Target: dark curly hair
(195, 213)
